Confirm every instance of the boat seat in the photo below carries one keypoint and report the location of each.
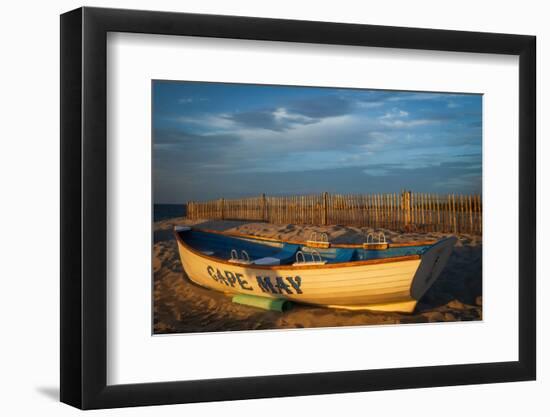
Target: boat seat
(268, 260)
(286, 254)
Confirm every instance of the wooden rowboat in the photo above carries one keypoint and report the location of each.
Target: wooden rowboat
(340, 276)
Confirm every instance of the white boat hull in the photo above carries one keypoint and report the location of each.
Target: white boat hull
(383, 285)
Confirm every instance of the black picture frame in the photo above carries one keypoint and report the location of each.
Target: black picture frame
(84, 207)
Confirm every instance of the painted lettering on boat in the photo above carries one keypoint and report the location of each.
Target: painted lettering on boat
(229, 278)
(280, 286)
(273, 285)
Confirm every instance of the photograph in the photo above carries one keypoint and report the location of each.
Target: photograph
(359, 193)
(285, 207)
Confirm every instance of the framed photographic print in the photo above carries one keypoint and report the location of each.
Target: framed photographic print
(258, 207)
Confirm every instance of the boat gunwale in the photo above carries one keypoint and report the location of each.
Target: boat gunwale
(304, 243)
(295, 267)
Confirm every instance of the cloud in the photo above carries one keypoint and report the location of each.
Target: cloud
(342, 141)
(397, 118)
(277, 119)
(381, 178)
(186, 146)
(189, 100)
(421, 96)
(395, 114)
(322, 107)
(369, 104)
(294, 113)
(205, 122)
(259, 119)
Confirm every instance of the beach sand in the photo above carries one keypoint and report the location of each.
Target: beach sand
(182, 307)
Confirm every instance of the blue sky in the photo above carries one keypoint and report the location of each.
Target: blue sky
(213, 140)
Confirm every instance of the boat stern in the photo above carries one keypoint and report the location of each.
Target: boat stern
(432, 263)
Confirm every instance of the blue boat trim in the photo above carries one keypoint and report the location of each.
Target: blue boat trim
(219, 246)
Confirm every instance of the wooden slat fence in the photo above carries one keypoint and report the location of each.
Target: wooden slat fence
(456, 213)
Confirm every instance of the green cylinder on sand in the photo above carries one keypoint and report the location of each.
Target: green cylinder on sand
(273, 304)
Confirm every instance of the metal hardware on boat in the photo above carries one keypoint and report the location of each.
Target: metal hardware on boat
(318, 237)
(371, 244)
(381, 238)
(244, 259)
(370, 238)
(316, 258)
(318, 240)
(313, 253)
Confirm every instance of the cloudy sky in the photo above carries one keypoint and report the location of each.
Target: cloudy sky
(213, 140)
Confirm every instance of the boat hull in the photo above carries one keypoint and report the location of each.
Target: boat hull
(380, 286)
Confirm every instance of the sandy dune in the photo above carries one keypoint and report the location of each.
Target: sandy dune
(181, 306)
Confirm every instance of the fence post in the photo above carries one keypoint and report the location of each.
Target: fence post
(325, 208)
(454, 216)
(406, 203)
(409, 207)
(222, 207)
(480, 213)
(264, 208)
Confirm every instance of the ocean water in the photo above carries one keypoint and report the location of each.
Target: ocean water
(168, 211)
